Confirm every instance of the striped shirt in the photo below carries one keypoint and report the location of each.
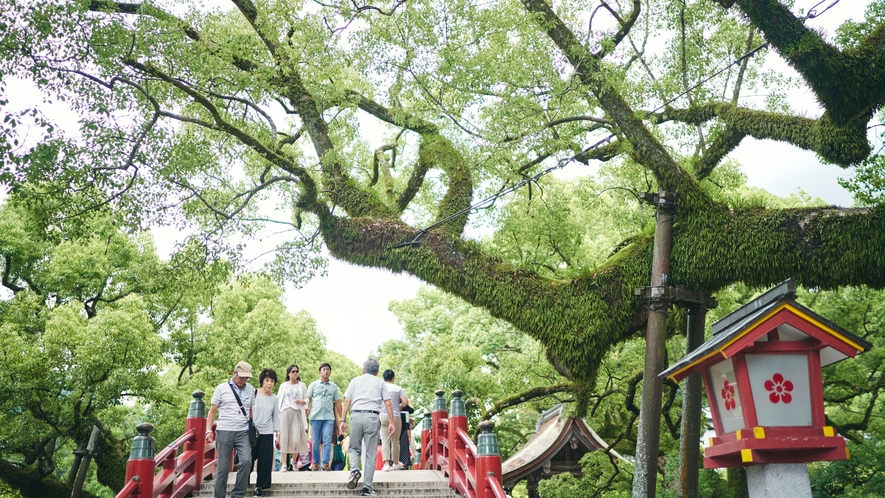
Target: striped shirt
(230, 417)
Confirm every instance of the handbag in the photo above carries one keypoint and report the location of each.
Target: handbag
(253, 434)
(250, 427)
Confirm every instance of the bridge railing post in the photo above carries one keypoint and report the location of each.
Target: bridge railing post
(439, 417)
(488, 460)
(426, 427)
(196, 423)
(140, 467)
(457, 450)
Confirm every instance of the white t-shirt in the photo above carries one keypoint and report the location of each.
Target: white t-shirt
(397, 394)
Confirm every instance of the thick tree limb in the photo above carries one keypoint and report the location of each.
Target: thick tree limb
(841, 144)
(578, 320)
(435, 151)
(849, 84)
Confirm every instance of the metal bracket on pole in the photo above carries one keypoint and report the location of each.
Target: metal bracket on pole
(662, 200)
(667, 294)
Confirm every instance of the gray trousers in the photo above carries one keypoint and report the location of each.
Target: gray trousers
(363, 434)
(225, 442)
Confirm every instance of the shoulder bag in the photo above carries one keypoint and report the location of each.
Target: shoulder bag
(253, 432)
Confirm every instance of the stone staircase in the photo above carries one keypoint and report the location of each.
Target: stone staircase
(404, 483)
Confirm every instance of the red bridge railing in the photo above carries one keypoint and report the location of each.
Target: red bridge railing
(180, 472)
(474, 471)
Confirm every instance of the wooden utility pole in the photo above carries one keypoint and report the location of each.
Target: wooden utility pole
(689, 443)
(659, 296)
(84, 466)
(649, 432)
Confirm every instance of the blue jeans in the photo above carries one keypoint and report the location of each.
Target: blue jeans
(321, 433)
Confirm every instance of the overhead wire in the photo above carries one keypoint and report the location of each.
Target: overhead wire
(489, 201)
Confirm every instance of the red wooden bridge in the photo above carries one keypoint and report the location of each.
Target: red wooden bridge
(187, 464)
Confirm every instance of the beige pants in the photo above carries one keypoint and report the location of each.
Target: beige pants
(390, 444)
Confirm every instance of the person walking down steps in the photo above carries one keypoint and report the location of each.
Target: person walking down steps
(368, 396)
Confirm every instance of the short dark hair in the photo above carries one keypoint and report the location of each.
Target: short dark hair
(325, 365)
(388, 375)
(267, 373)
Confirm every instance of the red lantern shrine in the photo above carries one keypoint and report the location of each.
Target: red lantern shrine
(762, 373)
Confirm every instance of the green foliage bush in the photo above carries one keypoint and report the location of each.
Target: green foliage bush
(861, 476)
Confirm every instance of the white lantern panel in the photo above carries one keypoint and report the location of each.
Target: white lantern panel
(728, 399)
(781, 390)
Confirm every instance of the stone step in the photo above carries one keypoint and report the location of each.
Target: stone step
(420, 483)
(295, 490)
(342, 492)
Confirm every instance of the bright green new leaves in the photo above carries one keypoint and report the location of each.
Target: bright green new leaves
(601, 476)
(75, 368)
(249, 322)
(451, 345)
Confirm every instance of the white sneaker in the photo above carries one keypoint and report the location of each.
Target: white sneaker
(386, 468)
(398, 466)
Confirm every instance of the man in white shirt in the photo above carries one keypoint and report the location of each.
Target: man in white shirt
(233, 429)
(368, 395)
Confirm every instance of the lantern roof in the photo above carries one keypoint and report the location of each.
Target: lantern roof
(775, 310)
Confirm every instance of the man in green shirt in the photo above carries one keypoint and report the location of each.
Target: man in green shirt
(323, 411)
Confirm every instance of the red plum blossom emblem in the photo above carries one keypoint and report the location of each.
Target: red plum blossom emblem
(728, 395)
(780, 389)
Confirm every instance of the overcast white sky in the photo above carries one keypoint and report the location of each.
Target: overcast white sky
(350, 305)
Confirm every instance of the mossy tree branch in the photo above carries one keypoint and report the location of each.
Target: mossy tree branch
(841, 144)
(850, 84)
(579, 319)
(435, 151)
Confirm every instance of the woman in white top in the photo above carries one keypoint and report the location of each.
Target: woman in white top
(266, 415)
(293, 429)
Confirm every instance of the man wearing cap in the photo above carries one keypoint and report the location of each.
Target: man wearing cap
(233, 429)
(369, 396)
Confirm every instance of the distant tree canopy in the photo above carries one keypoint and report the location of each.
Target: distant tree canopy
(97, 330)
(192, 116)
